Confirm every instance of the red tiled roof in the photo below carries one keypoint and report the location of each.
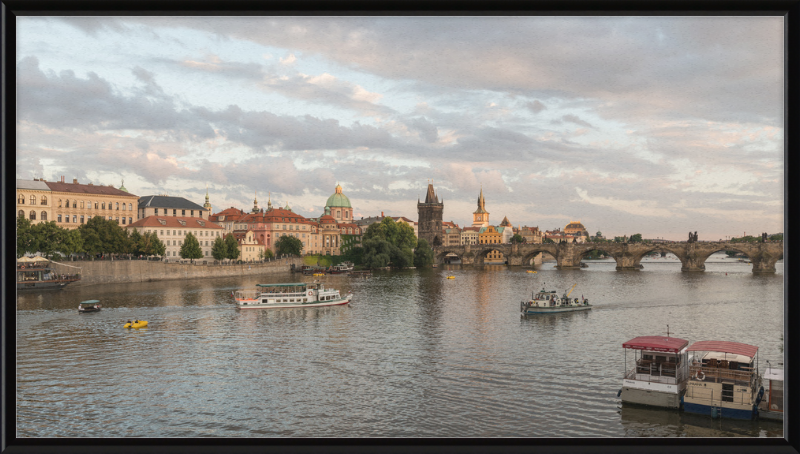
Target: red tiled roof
(78, 188)
(227, 212)
(657, 344)
(172, 222)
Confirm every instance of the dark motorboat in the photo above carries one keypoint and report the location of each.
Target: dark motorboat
(89, 306)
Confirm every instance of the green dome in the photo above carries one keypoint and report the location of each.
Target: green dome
(338, 199)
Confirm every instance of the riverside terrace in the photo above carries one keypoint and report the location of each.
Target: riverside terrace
(627, 255)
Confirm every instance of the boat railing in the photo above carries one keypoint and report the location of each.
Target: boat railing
(654, 376)
(716, 374)
(717, 398)
(247, 294)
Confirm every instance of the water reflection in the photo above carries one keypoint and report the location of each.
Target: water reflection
(414, 354)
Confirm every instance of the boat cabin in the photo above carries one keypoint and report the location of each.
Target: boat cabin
(724, 380)
(771, 406)
(656, 372)
(89, 306)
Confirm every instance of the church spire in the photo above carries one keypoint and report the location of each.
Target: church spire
(255, 202)
(269, 201)
(207, 205)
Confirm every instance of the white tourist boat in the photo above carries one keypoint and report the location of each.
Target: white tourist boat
(301, 294)
(546, 302)
(724, 380)
(658, 373)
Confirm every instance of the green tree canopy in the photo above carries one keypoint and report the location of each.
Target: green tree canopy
(135, 239)
(423, 254)
(231, 247)
(517, 238)
(190, 249)
(104, 236)
(389, 241)
(158, 246)
(288, 245)
(49, 237)
(398, 234)
(636, 238)
(27, 241)
(219, 250)
(71, 242)
(377, 252)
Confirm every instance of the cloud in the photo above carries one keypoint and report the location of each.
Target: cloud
(535, 106)
(647, 208)
(574, 119)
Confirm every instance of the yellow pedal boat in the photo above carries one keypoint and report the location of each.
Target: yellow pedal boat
(530, 271)
(136, 324)
(451, 277)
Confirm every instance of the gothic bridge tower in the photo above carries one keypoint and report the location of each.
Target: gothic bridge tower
(429, 224)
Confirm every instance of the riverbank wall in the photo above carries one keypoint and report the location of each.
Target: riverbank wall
(122, 271)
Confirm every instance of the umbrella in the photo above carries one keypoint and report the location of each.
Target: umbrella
(25, 260)
(39, 259)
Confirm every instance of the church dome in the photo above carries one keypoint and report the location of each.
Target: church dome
(338, 199)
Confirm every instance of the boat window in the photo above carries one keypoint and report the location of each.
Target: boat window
(647, 356)
(660, 359)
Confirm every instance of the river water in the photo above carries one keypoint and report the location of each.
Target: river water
(414, 355)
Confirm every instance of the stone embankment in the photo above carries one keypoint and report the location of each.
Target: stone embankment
(118, 271)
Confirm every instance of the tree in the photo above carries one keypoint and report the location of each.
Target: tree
(436, 241)
(135, 239)
(423, 254)
(288, 245)
(231, 247)
(265, 254)
(71, 242)
(517, 239)
(219, 250)
(389, 241)
(776, 237)
(636, 238)
(547, 240)
(26, 239)
(104, 236)
(157, 246)
(49, 237)
(354, 254)
(190, 249)
(377, 252)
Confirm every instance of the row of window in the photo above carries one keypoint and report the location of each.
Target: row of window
(97, 205)
(195, 233)
(175, 212)
(66, 218)
(21, 200)
(33, 215)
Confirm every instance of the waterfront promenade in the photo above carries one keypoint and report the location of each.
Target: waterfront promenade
(123, 271)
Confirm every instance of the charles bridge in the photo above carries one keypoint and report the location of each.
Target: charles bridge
(627, 255)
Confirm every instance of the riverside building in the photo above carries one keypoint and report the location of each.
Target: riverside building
(172, 230)
(164, 205)
(34, 201)
(74, 203)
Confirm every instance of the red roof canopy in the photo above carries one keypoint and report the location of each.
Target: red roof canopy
(657, 344)
(724, 347)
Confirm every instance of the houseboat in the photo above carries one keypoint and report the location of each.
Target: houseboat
(771, 406)
(301, 294)
(658, 372)
(39, 274)
(724, 380)
(339, 269)
(546, 302)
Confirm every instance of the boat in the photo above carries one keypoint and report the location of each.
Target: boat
(658, 373)
(451, 277)
(724, 380)
(37, 274)
(300, 294)
(89, 306)
(771, 406)
(136, 324)
(339, 269)
(531, 271)
(545, 302)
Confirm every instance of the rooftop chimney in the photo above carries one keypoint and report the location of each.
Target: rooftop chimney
(381, 213)
(62, 178)
(74, 181)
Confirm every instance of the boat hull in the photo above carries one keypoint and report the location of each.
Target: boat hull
(552, 310)
(651, 398)
(254, 304)
(724, 412)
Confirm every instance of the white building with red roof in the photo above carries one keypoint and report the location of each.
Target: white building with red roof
(172, 232)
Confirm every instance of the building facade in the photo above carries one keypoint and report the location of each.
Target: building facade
(575, 228)
(74, 203)
(172, 231)
(34, 201)
(339, 206)
(250, 248)
(429, 224)
(163, 205)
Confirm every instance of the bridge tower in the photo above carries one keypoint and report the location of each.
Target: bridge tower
(429, 224)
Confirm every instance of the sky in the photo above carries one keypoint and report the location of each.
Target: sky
(651, 125)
